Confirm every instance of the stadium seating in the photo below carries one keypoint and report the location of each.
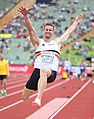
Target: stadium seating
(62, 15)
(6, 5)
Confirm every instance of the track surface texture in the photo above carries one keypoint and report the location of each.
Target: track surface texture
(66, 99)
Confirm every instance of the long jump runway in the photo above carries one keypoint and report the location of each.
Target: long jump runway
(62, 99)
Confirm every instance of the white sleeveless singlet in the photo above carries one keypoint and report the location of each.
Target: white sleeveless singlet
(92, 65)
(47, 55)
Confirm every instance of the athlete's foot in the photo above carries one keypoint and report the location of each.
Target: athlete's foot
(5, 94)
(36, 103)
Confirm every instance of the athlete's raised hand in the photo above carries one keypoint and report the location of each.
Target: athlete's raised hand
(79, 18)
(23, 10)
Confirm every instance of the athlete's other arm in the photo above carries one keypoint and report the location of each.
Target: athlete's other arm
(64, 37)
(33, 36)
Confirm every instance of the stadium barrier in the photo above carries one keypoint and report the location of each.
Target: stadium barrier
(29, 69)
(21, 68)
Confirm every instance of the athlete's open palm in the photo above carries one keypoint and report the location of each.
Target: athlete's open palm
(23, 10)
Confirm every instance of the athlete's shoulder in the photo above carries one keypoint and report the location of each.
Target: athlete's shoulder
(41, 41)
(57, 40)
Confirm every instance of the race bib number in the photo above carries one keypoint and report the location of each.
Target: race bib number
(47, 57)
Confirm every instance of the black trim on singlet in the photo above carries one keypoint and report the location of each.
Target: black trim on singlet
(48, 50)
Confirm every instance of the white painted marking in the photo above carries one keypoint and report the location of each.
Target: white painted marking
(48, 109)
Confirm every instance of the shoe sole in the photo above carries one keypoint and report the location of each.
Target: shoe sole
(34, 104)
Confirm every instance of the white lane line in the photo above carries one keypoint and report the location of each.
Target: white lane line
(16, 86)
(12, 77)
(15, 78)
(14, 92)
(11, 94)
(63, 106)
(19, 81)
(9, 106)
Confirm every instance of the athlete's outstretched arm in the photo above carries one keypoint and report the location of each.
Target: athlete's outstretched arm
(33, 36)
(64, 37)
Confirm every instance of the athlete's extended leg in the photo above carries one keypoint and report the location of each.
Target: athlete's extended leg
(44, 74)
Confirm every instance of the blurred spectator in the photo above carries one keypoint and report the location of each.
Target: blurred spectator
(62, 10)
(30, 62)
(26, 46)
(18, 34)
(4, 72)
(92, 68)
(67, 66)
(82, 70)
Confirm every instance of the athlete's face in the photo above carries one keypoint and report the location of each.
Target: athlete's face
(48, 31)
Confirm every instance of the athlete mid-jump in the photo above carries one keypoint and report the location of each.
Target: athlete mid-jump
(46, 56)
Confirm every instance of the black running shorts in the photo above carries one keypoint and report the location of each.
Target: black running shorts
(2, 77)
(32, 83)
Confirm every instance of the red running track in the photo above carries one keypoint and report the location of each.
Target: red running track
(80, 104)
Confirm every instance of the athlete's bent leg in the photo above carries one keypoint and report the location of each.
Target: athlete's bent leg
(26, 93)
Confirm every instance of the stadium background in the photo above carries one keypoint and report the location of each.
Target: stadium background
(14, 36)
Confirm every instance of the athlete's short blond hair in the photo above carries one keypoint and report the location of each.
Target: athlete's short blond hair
(50, 24)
